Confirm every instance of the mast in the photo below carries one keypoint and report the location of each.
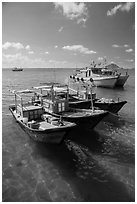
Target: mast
(16, 102)
(92, 107)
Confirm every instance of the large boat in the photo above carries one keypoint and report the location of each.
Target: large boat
(101, 76)
(98, 80)
(121, 80)
(16, 69)
(55, 101)
(32, 118)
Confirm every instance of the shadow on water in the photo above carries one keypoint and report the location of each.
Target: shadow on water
(80, 160)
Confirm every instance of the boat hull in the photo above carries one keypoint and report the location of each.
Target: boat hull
(121, 80)
(84, 118)
(113, 107)
(55, 135)
(98, 81)
(106, 82)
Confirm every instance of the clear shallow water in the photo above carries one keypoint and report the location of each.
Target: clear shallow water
(87, 166)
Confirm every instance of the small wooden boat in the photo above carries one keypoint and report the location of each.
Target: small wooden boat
(86, 99)
(103, 103)
(55, 101)
(109, 104)
(40, 126)
(79, 101)
(16, 69)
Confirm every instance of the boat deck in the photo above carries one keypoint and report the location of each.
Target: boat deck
(31, 107)
(80, 113)
(45, 125)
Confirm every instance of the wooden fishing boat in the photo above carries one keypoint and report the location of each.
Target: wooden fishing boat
(40, 126)
(110, 105)
(56, 102)
(83, 99)
(113, 106)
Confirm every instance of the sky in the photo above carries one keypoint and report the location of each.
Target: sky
(67, 34)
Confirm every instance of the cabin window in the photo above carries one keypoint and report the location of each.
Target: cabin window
(31, 113)
(59, 107)
(63, 106)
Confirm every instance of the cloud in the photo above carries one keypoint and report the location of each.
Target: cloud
(121, 7)
(73, 11)
(61, 28)
(10, 57)
(18, 59)
(27, 47)
(129, 50)
(126, 45)
(129, 60)
(30, 52)
(100, 58)
(57, 62)
(79, 48)
(17, 46)
(115, 45)
(121, 46)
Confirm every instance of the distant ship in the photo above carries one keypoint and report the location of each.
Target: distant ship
(17, 69)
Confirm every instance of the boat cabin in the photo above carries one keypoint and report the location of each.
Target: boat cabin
(30, 110)
(55, 99)
(89, 72)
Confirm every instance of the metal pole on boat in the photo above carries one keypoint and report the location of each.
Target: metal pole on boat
(16, 102)
(92, 107)
(22, 106)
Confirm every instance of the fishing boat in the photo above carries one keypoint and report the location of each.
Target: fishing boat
(56, 102)
(98, 79)
(121, 80)
(105, 76)
(113, 106)
(16, 69)
(82, 99)
(32, 118)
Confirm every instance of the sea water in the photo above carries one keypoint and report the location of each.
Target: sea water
(89, 166)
